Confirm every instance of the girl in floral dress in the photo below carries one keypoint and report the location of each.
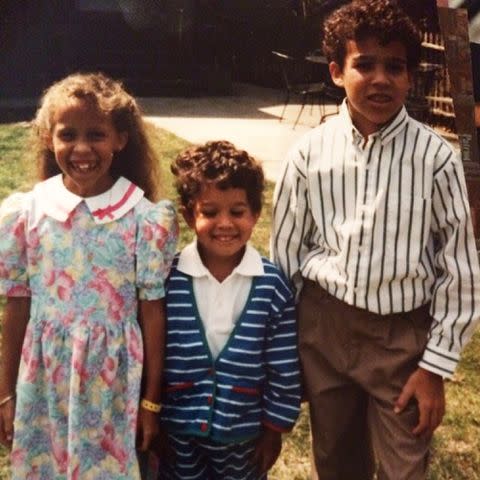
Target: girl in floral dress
(83, 259)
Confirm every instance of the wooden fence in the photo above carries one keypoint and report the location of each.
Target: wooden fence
(438, 92)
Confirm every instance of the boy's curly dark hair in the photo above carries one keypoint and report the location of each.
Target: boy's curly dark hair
(385, 20)
(136, 161)
(222, 165)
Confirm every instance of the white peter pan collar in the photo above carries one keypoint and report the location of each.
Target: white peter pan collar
(52, 198)
(190, 263)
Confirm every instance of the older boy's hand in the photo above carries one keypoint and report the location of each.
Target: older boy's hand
(267, 450)
(427, 388)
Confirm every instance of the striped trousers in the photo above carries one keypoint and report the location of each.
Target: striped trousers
(202, 459)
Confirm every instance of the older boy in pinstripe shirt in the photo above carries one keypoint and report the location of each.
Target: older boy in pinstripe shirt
(372, 224)
(232, 379)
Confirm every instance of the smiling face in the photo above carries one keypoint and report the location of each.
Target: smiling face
(376, 81)
(223, 222)
(84, 141)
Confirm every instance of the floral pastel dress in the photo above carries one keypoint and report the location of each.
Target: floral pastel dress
(84, 262)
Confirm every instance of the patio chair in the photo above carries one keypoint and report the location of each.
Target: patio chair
(334, 93)
(293, 72)
(320, 71)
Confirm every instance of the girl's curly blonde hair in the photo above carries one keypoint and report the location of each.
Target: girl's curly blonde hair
(136, 161)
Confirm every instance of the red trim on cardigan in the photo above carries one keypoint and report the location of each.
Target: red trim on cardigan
(179, 386)
(247, 390)
(275, 428)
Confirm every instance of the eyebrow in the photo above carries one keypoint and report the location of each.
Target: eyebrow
(62, 128)
(213, 204)
(362, 57)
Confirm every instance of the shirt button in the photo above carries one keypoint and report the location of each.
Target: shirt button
(209, 400)
(203, 427)
(211, 372)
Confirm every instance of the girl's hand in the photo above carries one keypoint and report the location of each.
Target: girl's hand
(7, 414)
(151, 317)
(15, 319)
(267, 450)
(162, 448)
(147, 428)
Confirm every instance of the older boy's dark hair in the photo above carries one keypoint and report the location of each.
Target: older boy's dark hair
(222, 165)
(385, 20)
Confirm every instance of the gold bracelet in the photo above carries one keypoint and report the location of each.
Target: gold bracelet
(6, 399)
(150, 406)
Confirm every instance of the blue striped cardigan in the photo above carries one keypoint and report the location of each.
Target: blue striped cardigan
(255, 379)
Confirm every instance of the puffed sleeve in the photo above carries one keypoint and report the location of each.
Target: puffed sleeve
(157, 237)
(13, 247)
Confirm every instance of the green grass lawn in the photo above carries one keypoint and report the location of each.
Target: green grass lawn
(456, 448)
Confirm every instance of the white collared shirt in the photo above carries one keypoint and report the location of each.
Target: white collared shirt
(383, 225)
(220, 304)
(52, 198)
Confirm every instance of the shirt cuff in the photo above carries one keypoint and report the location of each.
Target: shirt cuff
(439, 361)
(151, 293)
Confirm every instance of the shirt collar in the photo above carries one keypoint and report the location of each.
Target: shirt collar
(386, 133)
(52, 198)
(394, 127)
(190, 263)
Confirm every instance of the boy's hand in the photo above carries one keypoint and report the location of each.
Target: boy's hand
(267, 450)
(427, 388)
(147, 428)
(7, 413)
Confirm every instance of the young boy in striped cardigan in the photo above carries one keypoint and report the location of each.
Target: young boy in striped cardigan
(231, 377)
(372, 224)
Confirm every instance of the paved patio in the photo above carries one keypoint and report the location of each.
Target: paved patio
(249, 118)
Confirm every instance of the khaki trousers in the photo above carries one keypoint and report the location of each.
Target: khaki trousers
(355, 364)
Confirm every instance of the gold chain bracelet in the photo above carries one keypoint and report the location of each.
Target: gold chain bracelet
(150, 406)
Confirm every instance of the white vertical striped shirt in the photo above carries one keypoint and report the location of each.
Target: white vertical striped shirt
(383, 225)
